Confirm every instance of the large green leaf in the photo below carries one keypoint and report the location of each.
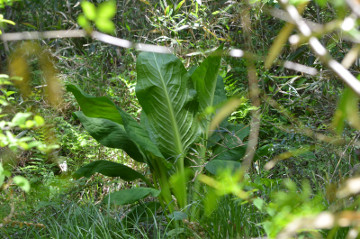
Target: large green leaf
(164, 93)
(97, 107)
(205, 79)
(128, 196)
(110, 134)
(139, 135)
(110, 169)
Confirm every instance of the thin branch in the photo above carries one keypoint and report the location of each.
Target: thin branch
(21, 36)
(320, 50)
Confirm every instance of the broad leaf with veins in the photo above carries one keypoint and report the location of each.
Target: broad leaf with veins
(164, 93)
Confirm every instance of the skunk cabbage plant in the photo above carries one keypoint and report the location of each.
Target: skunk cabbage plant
(172, 121)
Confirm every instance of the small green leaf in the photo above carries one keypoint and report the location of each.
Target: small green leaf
(127, 27)
(29, 124)
(108, 168)
(3, 173)
(20, 118)
(22, 182)
(129, 196)
(83, 22)
(179, 5)
(39, 120)
(106, 10)
(105, 25)
(89, 10)
(8, 21)
(259, 203)
(167, 10)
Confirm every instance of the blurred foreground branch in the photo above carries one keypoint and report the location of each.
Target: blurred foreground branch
(319, 49)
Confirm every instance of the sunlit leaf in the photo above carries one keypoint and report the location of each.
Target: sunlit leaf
(8, 21)
(106, 10)
(20, 118)
(39, 120)
(22, 182)
(3, 173)
(105, 25)
(167, 9)
(29, 124)
(321, 3)
(179, 5)
(83, 22)
(89, 10)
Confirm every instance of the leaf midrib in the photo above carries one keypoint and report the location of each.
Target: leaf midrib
(178, 144)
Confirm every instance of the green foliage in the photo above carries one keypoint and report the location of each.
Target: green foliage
(172, 100)
(101, 16)
(3, 20)
(347, 110)
(20, 181)
(20, 121)
(299, 119)
(288, 205)
(4, 3)
(110, 169)
(131, 195)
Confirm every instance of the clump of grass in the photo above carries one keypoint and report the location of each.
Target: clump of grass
(87, 220)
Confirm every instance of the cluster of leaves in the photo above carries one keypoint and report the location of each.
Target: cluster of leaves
(310, 99)
(20, 121)
(173, 101)
(101, 16)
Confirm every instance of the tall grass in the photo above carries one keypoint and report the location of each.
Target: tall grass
(87, 220)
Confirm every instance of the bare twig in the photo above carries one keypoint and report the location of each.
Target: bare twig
(320, 50)
(254, 94)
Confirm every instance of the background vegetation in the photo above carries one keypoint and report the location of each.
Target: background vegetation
(302, 179)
